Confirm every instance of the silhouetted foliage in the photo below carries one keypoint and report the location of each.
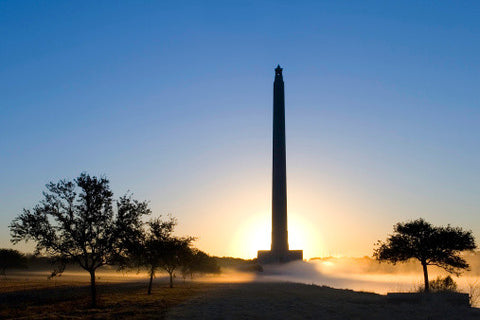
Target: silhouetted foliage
(203, 263)
(443, 284)
(195, 261)
(438, 246)
(11, 259)
(239, 264)
(76, 223)
(157, 248)
(175, 250)
(148, 250)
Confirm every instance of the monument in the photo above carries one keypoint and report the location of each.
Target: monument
(279, 250)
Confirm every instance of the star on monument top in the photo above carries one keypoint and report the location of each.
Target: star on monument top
(278, 70)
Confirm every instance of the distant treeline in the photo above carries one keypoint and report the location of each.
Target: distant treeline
(44, 263)
(361, 264)
(238, 264)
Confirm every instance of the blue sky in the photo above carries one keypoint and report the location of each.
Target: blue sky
(173, 102)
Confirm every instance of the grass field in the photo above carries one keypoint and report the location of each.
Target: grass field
(124, 297)
(69, 299)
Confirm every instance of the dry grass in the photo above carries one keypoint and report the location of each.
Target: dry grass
(474, 293)
(71, 299)
(68, 298)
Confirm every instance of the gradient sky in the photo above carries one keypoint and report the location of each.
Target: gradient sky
(174, 103)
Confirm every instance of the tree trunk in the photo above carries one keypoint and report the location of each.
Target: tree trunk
(93, 288)
(425, 276)
(150, 283)
(171, 279)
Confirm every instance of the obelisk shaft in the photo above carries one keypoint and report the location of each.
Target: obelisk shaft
(279, 252)
(279, 174)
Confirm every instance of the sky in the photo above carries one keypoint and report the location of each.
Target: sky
(172, 101)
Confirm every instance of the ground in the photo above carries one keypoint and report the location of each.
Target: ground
(276, 300)
(35, 298)
(116, 301)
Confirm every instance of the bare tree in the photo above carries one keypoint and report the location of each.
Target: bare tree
(76, 223)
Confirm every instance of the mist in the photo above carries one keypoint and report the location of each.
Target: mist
(354, 273)
(365, 274)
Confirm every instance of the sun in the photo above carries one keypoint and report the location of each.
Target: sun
(251, 235)
(254, 233)
(302, 235)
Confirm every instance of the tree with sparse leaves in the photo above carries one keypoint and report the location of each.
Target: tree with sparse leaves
(174, 251)
(157, 248)
(437, 246)
(11, 259)
(148, 250)
(76, 223)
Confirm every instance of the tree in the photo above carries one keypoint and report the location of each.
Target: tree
(157, 248)
(76, 223)
(203, 263)
(11, 259)
(418, 239)
(147, 252)
(196, 261)
(443, 284)
(174, 251)
(187, 263)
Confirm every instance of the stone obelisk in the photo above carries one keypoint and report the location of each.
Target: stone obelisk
(279, 170)
(279, 250)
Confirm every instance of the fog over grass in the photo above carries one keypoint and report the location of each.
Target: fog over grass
(359, 274)
(365, 274)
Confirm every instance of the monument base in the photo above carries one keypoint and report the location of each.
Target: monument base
(268, 257)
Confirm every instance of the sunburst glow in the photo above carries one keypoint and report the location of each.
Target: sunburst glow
(254, 233)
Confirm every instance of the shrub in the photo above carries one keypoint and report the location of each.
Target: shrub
(440, 284)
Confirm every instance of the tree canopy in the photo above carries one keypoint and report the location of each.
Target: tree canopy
(148, 250)
(197, 261)
(175, 253)
(418, 239)
(76, 223)
(157, 248)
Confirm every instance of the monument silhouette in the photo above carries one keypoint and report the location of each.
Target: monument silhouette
(279, 250)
